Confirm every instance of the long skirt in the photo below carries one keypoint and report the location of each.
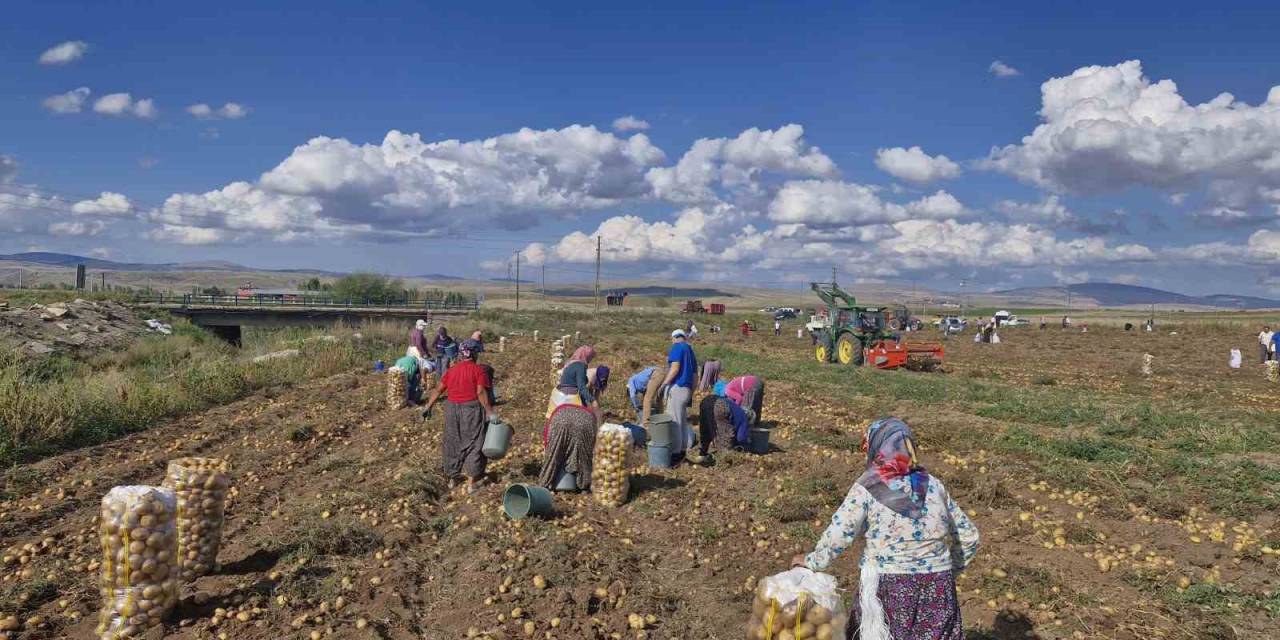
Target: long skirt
(753, 399)
(464, 427)
(921, 606)
(571, 439)
(714, 424)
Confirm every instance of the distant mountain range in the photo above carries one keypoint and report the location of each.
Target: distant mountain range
(1106, 294)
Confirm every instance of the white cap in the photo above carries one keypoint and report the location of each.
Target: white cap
(678, 333)
(421, 324)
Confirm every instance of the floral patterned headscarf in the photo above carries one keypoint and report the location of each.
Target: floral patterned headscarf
(891, 454)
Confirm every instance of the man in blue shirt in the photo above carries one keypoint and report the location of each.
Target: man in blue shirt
(682, 375)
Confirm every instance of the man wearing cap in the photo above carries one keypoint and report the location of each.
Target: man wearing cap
(682, 375)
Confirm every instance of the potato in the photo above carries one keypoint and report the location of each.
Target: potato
(200, 486)
(139, 549)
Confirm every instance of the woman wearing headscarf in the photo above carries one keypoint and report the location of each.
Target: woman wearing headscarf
(722, 422)
(709, 377)
(917, 540)
(466, 387)
(748, 392)
(574, 386)
(569, 440)
(445, 347)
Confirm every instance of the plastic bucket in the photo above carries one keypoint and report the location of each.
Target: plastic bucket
(522, 500)
(638, 435)
(760, 441)
(661, 429)
(567, 481)
(659, 456)
(497, 439)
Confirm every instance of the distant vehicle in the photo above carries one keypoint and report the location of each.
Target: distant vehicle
(784, 314)
(953, 324)
(1015, 321)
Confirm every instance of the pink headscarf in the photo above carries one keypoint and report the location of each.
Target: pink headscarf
(584, 354)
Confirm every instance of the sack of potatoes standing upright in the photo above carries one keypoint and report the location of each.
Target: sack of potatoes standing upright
(139, 560)
(397, 388)
(200, 486)
(798, 605)
(611, 473)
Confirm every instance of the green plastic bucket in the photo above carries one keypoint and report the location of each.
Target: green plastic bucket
(661, 430)
(522, 500)
(497, 439)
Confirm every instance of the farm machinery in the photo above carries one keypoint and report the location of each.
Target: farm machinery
(858, 335)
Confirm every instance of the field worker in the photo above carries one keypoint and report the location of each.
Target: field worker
(410, 368)
(445, 347)
(682, 375)
(569, 439)
(723, 422)
(692, 331)
(418, 341)
(777, 327)
(917, 540)
(748, 392)
(648, 394)
(1275, 342)
(466, 387)
(746, 329)
(636, 386)
(1264, 343)
(574, 385)
(709, 376)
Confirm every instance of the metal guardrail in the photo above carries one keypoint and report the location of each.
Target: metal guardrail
(304, 302)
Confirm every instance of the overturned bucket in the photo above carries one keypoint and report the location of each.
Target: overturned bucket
(661, 430)
(522, 500)
(659, 456)
(497, 439)
(759, 441)
(567, 481)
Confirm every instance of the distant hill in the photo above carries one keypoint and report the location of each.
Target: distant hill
(1107, 294)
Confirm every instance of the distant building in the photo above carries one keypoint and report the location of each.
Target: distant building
(271, 295)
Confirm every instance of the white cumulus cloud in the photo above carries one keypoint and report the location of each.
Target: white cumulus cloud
(914, 165)
(8, 168)
(77, 228)
(69, 102)
(1002, 70)
(64, 53)
(1110, 127)
(228, 111)
(123, 104)
(737, 163)
(831, 203)
(630, 123)
(106, 204)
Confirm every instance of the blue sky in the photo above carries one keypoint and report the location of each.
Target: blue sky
(1158, 202)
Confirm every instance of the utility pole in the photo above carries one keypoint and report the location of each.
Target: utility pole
(833, 275)
(597, 273)
(517, 281)
(544, 282)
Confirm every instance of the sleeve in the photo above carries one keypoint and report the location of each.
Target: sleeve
(580, 381)
(846, 524)
(673, 355)
(965, 542)
(483, 379)
(742, 433)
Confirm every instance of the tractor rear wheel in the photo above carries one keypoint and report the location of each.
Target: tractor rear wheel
(849, 350)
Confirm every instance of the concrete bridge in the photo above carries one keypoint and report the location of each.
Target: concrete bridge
(225, 315)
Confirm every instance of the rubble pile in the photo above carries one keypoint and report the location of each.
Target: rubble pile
(69, 327)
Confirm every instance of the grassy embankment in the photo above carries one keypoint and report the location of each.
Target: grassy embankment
(60, 402)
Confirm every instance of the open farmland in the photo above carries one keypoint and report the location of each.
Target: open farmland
(1111, 504)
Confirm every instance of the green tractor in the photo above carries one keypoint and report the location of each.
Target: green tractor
(858, 335)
